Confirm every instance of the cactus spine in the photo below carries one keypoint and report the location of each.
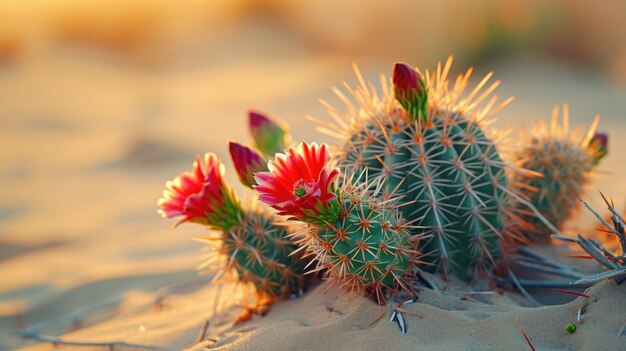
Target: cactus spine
(563, 160)
(428, 144)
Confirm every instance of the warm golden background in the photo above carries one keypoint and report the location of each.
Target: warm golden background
(102, 101)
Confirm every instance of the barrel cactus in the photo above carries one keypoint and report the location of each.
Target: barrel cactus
(563, 159)
(250, 245)
(359, 241)
(427, 141)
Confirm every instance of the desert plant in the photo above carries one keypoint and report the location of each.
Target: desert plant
(249, 245)
(360, 241)
(562, 159)
(611, 260)
(428, 142)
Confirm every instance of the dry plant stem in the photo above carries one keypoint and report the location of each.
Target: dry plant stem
(530, 344)
(203, 331)
(427, 281)
(56, 341)
(63, 323)
(621, 331)
(616, 217)
(616, 265)
(547, 261)
(521, 289)
(590, 279)
(541, 283)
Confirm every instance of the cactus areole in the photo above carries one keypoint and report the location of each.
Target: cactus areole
(426, 140)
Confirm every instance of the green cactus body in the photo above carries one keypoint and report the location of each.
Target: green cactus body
(562, 160)
(449, 175)
(444, 169)
(256, 251)
(367, 249)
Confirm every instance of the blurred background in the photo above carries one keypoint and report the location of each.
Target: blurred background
(101, 102)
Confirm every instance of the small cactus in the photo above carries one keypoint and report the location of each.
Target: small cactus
(361, 242)
(562, 160)
(251, 246)
(428, 142)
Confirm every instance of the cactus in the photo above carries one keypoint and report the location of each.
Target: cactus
(256, 251)
(250, 245)
(361, 242)
(427, 140)
(564, 159)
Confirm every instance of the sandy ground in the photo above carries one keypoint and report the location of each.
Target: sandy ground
(86, 144)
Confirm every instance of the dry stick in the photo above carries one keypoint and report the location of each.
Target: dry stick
(542, 283)
(605, 223)
(535, 212)
(203, 330)
(525, 335)
(71, 318)
(56, 341)
(615, 273)
(619, 226)
(528, 252)
(521, 289)
(622, 330)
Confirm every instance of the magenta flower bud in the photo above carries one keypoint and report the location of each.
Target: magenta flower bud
(247, 162)
(600, 142)
(270, 137)
(409, 89)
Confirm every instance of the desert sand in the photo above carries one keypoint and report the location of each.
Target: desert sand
(84, 161)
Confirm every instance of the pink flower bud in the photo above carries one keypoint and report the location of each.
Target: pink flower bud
(409, 88)
(600, 142)
(269, 136)
(247, 162)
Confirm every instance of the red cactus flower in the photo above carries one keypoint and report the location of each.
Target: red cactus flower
(201, 196)
(247, 162)
(409, 89)
(301, 184)
(270, 137)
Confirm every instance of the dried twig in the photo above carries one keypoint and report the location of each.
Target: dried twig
(525, 335)
(203, 331)
(56, 341)
(521, 289)
(615, 264)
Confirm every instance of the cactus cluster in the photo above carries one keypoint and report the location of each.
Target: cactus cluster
(424, 187)
(561, 159)
(427, 140)
(248, 244)
(361, 242)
